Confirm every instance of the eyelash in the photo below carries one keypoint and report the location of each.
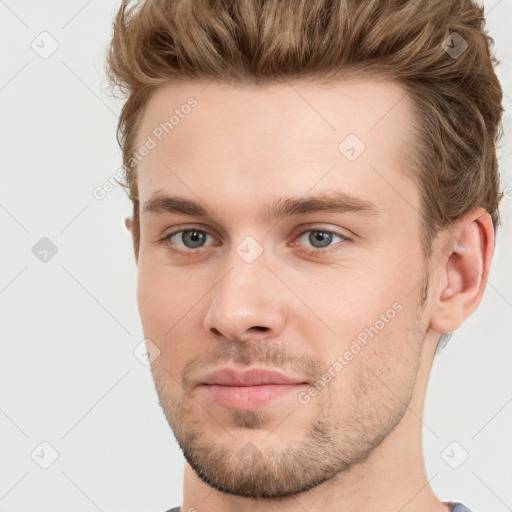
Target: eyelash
(311, 251)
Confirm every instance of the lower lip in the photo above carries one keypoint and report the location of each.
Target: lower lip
(250, 397)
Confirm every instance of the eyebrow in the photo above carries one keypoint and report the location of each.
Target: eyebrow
(329, 202)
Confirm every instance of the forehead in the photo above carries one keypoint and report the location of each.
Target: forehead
(252, 141)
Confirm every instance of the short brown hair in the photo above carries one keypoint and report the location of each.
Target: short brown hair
(457, 98)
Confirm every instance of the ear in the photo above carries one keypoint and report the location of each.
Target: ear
(128, 223)
(463, 259)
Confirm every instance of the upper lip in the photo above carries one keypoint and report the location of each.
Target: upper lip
(252, 377)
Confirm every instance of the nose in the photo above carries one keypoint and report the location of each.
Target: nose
(247, 302)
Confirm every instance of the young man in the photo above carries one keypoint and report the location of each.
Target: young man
(315, 199)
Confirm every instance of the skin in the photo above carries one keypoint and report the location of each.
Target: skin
(357, 444)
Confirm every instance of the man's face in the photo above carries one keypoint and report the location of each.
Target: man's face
(337, 307)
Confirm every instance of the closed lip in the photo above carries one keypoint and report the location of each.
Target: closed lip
(252, 377)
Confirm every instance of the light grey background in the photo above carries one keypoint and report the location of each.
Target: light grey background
(69, 325)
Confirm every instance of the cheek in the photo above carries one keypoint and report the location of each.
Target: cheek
(374, 371)
(370, 322)
(162, 290)
(169, 303)
(350, 301)
(150, 295)
(158, 304)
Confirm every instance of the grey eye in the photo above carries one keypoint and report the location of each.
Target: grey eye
(319, 238)
(323, 238)
(192, 238)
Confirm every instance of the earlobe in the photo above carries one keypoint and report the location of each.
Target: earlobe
(128, 223)
(463, 266)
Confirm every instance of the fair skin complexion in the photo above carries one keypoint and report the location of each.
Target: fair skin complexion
(357, 444)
